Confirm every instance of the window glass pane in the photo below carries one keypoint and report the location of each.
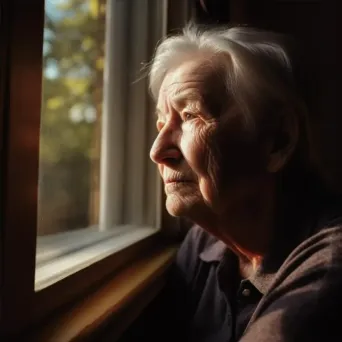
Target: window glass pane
(94, 134)
(72, 97)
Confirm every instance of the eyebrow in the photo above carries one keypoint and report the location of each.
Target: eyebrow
(181, 98)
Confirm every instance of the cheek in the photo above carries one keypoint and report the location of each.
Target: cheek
(195, 148)
(238, 164)
(240, 159)
(198, 150)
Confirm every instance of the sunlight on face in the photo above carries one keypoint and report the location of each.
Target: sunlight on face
(195, 152)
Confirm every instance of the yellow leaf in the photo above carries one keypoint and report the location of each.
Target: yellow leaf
(87, 43)
(100, 63)
(77, 86)
(54, 102)
(94, 8)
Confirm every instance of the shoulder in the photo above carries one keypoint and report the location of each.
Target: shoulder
(304, 301)
(324, 245)
(321, 244)
(317, 257)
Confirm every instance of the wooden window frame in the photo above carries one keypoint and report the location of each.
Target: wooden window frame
(21, 83)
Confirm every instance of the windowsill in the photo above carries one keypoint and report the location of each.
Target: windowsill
(61, 255)
(129, 286)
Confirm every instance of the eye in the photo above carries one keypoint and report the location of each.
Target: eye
(188, 116)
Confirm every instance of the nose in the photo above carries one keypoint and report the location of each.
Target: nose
(165, 149)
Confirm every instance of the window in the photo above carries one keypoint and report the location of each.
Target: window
(81, 196)
(96, 194)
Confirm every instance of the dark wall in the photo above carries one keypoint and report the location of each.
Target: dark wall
(313, 24)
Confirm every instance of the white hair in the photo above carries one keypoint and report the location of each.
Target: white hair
(257, 67)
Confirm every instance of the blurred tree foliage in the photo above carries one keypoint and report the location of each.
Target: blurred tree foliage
(71, 114)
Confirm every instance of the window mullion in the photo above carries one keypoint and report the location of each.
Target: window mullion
(113, 120)
(137, 115)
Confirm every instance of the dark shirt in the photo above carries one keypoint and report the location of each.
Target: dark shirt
(295, 295)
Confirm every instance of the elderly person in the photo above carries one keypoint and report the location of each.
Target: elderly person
(263, 260)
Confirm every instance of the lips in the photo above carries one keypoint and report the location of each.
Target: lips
(168, 181)
(177, 177)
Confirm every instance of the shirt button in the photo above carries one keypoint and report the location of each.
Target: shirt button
(246, 292)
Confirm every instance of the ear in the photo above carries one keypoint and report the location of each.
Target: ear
(284, 142)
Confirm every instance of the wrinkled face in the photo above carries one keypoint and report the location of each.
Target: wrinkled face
(206, 162)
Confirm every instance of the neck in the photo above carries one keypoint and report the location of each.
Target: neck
(247, 227)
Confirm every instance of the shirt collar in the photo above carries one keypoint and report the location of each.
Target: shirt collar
(215, 250)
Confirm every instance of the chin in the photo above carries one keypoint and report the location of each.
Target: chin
(188, 207)
(177, 207)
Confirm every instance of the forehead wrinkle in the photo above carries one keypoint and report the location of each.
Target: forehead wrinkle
(180, 85)
(198, 72)
(181, 92)
(188, 82)
(187, 93)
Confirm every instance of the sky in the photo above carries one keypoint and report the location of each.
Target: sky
(52, 11)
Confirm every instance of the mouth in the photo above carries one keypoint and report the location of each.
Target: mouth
(170, 181)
